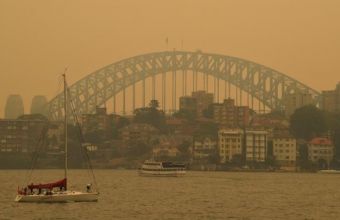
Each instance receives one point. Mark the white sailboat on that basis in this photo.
(57, 191)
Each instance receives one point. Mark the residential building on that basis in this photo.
(256, 145)
(321, 150)
(188, 103)
(179, 126)
(196, 103)
(100, 121)
(204, 148)
(229, 144)
(295, 101)
(55, 136)
(269, 121)
(330, 100)
(228, 115)
(138, 132)
(21, 135)
(165, 151)
(203, 100)
(284, 149)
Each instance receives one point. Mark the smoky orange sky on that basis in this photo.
(39, 38)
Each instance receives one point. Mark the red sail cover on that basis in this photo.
(61, 184)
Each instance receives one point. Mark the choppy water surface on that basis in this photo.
(199, 195)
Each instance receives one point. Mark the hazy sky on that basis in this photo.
(39, 38)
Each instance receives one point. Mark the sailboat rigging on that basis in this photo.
(58, 191)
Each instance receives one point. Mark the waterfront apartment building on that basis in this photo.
(330, 100)
(321, 150)
(228, 115)
(204, 148)
(21, 135)
(249, 144)
(284, 149)
(229, 144)
(256, 145)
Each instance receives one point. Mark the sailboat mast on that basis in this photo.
(65, 123)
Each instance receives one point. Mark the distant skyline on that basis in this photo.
(40, 38)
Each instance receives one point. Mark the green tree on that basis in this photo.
(184, 151)
(333, 122)
(151, 115)
(121, 122)
(307, 122)
(185, 114)
(96, 137)
(137, 149)
(154, 104)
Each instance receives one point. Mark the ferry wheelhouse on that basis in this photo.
(155, 168)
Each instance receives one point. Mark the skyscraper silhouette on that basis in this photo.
(14, 107)
(38, 105)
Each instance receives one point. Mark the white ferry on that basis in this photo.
(166, 169)
(329, 171)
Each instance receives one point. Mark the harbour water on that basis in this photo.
(198, 195)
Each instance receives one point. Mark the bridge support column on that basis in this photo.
(174, 95)
(114, 95)
(134, 94)
(143, 92)
(153, 87)
(124, 95)
(164, 91)
(153, 79)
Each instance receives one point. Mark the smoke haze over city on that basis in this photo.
(39, 39)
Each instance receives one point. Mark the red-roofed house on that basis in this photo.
(320, 149)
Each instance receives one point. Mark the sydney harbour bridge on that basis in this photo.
(167, 75)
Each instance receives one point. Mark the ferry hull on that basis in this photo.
(71, 196)
(329, 171)
(178, 173)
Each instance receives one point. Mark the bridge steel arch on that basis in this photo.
(265, 84)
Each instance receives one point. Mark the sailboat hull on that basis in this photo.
(68, 196)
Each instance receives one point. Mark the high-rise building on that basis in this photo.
(188, 103)
(39, 105)
(228, 115)
(14, 107)
(330, 100)
(203, 100)
(196, 103)
(295, 101)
